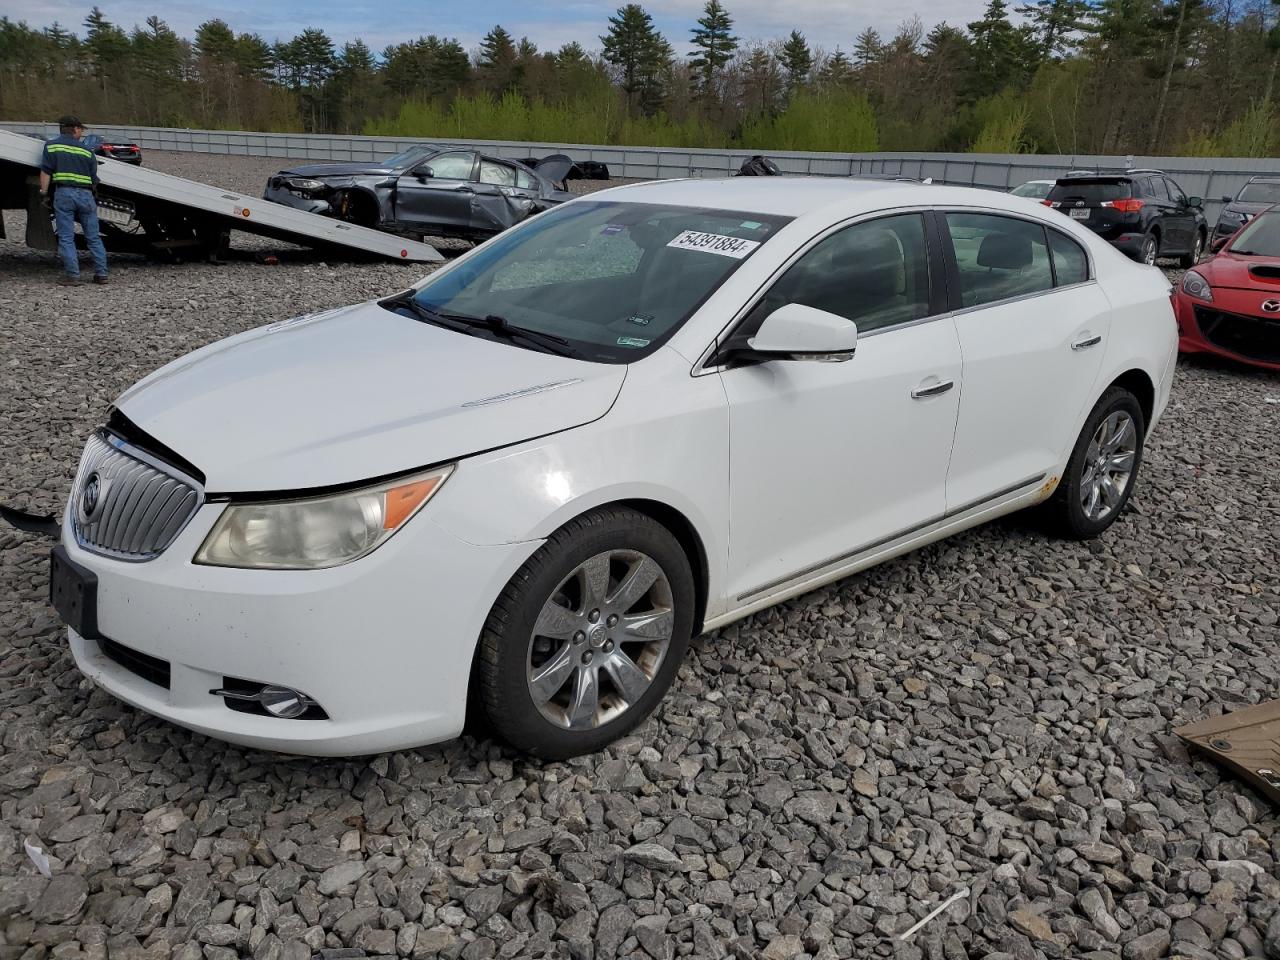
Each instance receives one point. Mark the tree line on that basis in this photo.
(1194, 77)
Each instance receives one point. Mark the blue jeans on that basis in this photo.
(69, 205)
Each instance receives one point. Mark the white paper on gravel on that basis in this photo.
(716, 243)
(37, 857)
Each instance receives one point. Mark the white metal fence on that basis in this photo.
(1209, 178)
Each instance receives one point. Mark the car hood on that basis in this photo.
(320, 170)
(357, 393)
(1245, 206)
(1241, 273)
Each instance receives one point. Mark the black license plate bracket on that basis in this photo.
(73, 592)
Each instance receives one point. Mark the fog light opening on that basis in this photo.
(283, 702)
(268, 699)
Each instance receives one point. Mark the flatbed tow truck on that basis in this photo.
(170, 218)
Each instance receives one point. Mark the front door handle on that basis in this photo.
(1084, 343)
(932, 390)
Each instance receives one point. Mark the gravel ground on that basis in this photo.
(991, 713)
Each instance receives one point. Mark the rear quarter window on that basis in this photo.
(1091, 191)
(1070, 263)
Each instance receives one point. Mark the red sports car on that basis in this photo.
(1230, 303)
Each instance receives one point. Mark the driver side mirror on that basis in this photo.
(1197, 202)
(423, 173)
(797, 332)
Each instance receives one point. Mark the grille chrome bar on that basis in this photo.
(137, 505)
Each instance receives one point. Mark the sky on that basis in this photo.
(549, 24)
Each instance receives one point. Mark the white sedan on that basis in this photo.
(523, 485)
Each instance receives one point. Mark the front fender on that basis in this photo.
(665, 440)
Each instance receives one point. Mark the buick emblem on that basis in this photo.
(91, 497)
(1271, 306)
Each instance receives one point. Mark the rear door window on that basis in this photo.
(998, 258)
(496, 173)
(1092, 191)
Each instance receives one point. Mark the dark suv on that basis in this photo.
(1142, 213)
(1254, 197)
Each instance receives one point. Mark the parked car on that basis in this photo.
(427, 190)
(525, 483)
(115, 149)
(1142, 213)
(1251, 199)
(1230, 304)
(1033, 189)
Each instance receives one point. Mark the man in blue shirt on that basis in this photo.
(69, 170)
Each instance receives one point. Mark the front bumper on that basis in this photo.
(383, 644)
(297, 201)
(1232, 326)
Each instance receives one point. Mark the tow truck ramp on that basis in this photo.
(153, 213)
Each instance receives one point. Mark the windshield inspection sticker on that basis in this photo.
(716, 243)
(632, 342)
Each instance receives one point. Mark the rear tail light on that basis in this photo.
(1124, 206)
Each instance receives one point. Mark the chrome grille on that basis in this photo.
(127, 504)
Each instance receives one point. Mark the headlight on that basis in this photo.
(305, 185)
(1194, 285)
(319, 531)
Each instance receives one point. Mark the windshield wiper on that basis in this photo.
(499, 326)
(504, 328)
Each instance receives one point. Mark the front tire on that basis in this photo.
(1103, 468)
(587, 636)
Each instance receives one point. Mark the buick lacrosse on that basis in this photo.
(522, 485)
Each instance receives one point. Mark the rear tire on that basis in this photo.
(1150, 250)
(586, 637)
(1197, 250)
(1102, 470)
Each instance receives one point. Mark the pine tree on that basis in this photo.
(497, 64)
(639, 53)
(1056, 24)
(837, 71)
(796, 60)
(868, 49)
(714, 44)
(1002, 53)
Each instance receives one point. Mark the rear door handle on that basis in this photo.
(1084, 343)
(932, 390)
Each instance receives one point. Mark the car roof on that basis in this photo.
(795, 196)
(1265, 178)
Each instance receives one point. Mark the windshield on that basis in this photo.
(1264, 192)
(1035, 189)
(1090, 191)
(406, 157)
(615, 280)
(1259, 238)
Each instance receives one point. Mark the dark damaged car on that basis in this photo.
(427, 190)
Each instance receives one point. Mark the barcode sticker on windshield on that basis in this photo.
(716, 243)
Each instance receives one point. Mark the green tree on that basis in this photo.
(836, 71)
(1002, 54)
(640, 55)
(714, 45)
(868, 49)
(1055, 24)
(797, 61)
(498, 65)
(107, 47)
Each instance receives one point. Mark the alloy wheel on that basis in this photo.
(1108, 465)
(600, 639)
(1198, 250)
(1149, 251)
